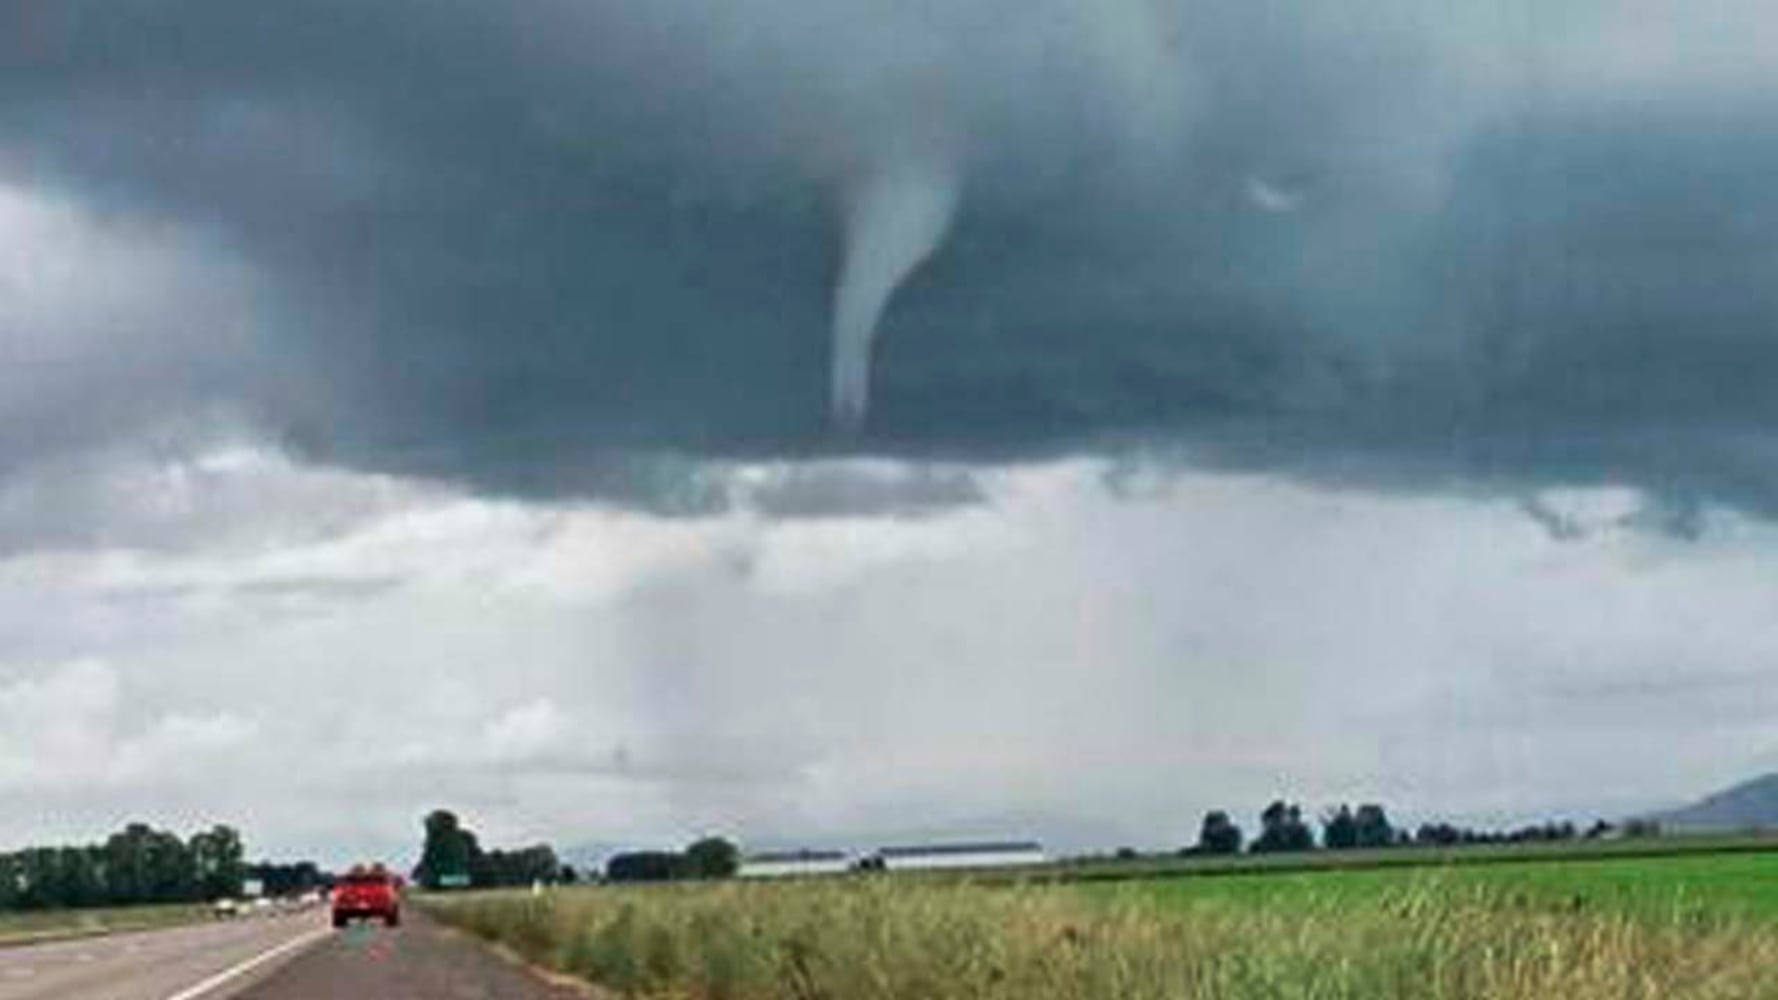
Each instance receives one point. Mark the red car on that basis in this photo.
(368, 893)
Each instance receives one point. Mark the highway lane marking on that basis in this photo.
(237, 971)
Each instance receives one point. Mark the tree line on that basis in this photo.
(1282, 828)
(452, 857)
(135, 865)
(289, 879)
(707, 858)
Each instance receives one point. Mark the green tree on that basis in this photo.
(1282, 829)
(481, 866)
(172, 876)
(538, 863)
(1219, 834)
(287, 879)
(10, 873)
(137, 864)
(645, 866)
(77, 878)
(218, 862)
(145, 865)
(40, 883)
(126, 864)
(1339, 830)
(448, 850)
(712, 857)
(1372, 827)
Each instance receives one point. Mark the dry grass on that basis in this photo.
(879, 939)
(52, 925)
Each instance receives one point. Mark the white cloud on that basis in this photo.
(183, 747)
(65, 730)
(524, 733)
(58, 727)
(1082, 665)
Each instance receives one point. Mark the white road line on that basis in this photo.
(249, 965)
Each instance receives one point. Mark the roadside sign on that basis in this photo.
(453, 881)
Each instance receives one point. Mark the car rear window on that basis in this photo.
(367, 880)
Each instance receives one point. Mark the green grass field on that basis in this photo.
(1738, 885)
(1697, 924)
(48, 925)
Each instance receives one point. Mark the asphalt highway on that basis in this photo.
(198, 962)
(418, 961)
(294, 957)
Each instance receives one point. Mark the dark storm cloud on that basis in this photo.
(541, 248)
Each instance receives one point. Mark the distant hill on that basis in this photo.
(1747, 805)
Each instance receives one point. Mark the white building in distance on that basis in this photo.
(987, 855)
(789, 864)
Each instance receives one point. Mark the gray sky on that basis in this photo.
(433, 403)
